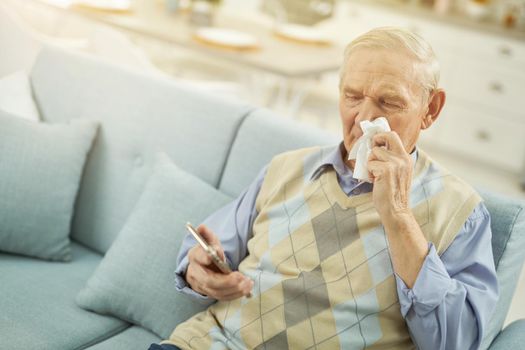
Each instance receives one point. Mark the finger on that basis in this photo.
(221, 296)
(376, 168)
(209, 283)
(208, 276)
(212, 239)
(242, 289)
(390, 140)
(235, 295)
(199, 278)
(218, 280)
(380, 153)
(208, 235)
(199, 256)
(219, 251)
(231, 296)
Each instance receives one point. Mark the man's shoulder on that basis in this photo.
(445, 200)
(436, 175)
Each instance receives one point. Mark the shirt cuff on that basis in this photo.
(182, 286)
(430, 288)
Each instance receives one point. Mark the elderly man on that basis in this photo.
(323, 260)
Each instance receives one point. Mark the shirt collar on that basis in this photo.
(334, 159)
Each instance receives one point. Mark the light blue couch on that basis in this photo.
(225, 144)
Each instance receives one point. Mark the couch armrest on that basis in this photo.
(511, 337)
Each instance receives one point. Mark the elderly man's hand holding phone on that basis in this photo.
(208, 272)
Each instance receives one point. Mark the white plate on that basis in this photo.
(106, 5)
(226, 37)
(302, 33)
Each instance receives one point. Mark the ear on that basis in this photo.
(435, 105)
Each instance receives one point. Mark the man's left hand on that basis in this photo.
(390, 168)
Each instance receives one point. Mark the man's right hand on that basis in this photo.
(205, 278)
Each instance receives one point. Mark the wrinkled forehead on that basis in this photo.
(383, 68)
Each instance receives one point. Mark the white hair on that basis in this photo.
(394, 38)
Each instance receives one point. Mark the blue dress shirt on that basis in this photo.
(453, 296)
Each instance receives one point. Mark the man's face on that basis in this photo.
(380, 82)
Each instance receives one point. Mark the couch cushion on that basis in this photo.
(132, 338)
(16, 96)
(508, 246)
(40, 170)
(261, 136)
(139, 115)
(135, 279)
(512, 337)
(37, 304)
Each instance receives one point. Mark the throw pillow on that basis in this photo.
(16, 96)
(135, 280)
(40, 170)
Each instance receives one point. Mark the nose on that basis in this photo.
(368, 110)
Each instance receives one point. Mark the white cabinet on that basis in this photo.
(485, 136)
(489, 83)
(497, 49)
(484, 116)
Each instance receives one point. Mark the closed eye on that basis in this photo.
(394, 104)
(353, 97)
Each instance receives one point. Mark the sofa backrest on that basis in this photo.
(139, 115)
(261, 136)
(508, 246)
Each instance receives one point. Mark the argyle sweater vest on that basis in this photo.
(320, 262)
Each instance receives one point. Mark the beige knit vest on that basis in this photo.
(321, 265)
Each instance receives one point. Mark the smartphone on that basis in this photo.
(212, 252)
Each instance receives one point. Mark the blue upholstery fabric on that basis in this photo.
(139, 116)
(135, 281)
(508, 245)
(37, 303)
(132, 338)
(507, 218)
(40, 170)
(511, 338)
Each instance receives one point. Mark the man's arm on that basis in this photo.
(454, 295)
(233, 226)
(445, 306)
(390, 167)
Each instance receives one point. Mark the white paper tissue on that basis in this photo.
(363, 146)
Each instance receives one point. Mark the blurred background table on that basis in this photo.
(290, 65)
